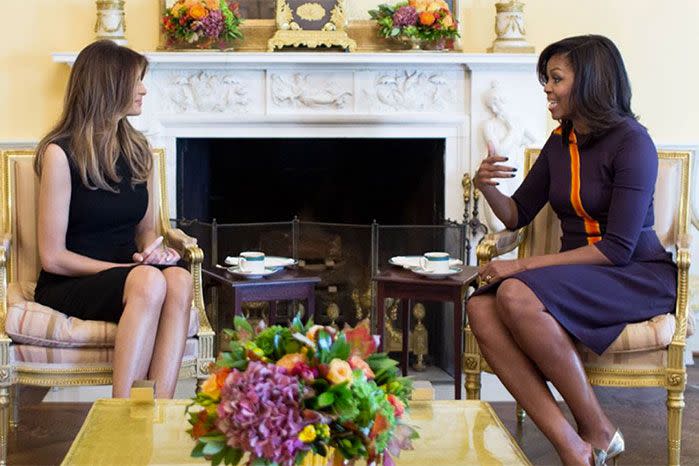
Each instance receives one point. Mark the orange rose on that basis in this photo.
(288, 361)
(213, 4)
(198, 12)
(427, 18)
(200, 428)
(356, 362)
(212, 385)
(177, 9)
(340, 371)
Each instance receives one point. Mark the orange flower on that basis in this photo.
(356, 362)
(380, 425)
(361, 342)
(213, 4)
(200, 428)
(198, 12)
(340, 371)
(288, 361)
(212, 385)
(177, 9)
(427, 18)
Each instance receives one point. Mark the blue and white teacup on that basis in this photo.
(435, 262)
(251, 262)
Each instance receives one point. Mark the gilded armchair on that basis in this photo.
(42, 347)
(646, 354)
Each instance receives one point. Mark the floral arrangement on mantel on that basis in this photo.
(416, 22)
(301, 394)
(202, 23)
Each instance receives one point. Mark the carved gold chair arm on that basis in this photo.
(683, 259)
(5, 244)
(187, 247)
(499, 243)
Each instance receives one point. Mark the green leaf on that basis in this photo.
(340, 349)
(233, 455)
(218, 457)
(242, 326)
(324, 343)
(326, 399)
(395, 32)
(211, 448)
(217, 437)
(198, 450)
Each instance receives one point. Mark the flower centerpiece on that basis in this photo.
(202, 23)
(417, 22)
(284, 396)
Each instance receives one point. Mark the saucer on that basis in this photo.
(435, 275)
(270, 261)
(248, 274)
(411, 262)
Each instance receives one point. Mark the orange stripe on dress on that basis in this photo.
(592, 228)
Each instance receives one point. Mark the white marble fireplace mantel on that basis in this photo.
(344, 95)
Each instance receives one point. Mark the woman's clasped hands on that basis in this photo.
(157, 254)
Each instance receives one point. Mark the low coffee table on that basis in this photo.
(122, 431)
(405, 285)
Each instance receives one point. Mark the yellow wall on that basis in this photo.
(658, 40)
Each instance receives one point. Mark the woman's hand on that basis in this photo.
(156, 253)
(495, 271)
(490, 170)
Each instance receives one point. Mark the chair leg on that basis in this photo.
(521, 414)
(4, 423)
(675, 405)
(14, 411)
(473, 385)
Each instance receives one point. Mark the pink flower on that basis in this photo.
(261, 413)
(358, 363)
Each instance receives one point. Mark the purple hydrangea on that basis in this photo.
(261, 413)
(213, 24)
(405, 16)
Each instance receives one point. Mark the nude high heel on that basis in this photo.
(614, 450)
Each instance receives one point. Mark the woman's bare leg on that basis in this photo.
(144, 292)
(523, 380)
(172, 331)
(543, 339)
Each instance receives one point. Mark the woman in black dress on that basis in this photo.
(598, 171)
(99, 251)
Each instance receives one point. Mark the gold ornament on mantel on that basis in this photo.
(311, 23)
(110, 22)
(509, 28)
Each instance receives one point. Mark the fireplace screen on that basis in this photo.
(345, 257)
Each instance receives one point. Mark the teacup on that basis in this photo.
(435, 262)
(251, 262)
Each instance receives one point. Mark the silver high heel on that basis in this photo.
(615, 448)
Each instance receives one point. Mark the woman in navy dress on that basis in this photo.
(96, 228)
(598, 171)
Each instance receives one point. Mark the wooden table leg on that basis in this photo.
(458, 343)
(237, 303)
(310, 303)
(380, 303)
(272, 313)
(405, 351)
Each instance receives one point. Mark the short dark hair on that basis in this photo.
(601, 94)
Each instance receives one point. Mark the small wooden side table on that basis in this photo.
(408, 286)
(285, 285)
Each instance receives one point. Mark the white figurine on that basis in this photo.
(509, 138)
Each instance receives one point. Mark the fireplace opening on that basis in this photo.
(336, 188)
(392, 181)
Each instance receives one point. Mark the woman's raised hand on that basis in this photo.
(490, 169)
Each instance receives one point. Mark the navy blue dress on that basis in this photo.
(601, 188)
(101, 225)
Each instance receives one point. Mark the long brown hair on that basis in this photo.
(93, 123)
(601, 94)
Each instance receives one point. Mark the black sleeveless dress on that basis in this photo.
(101, 225)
